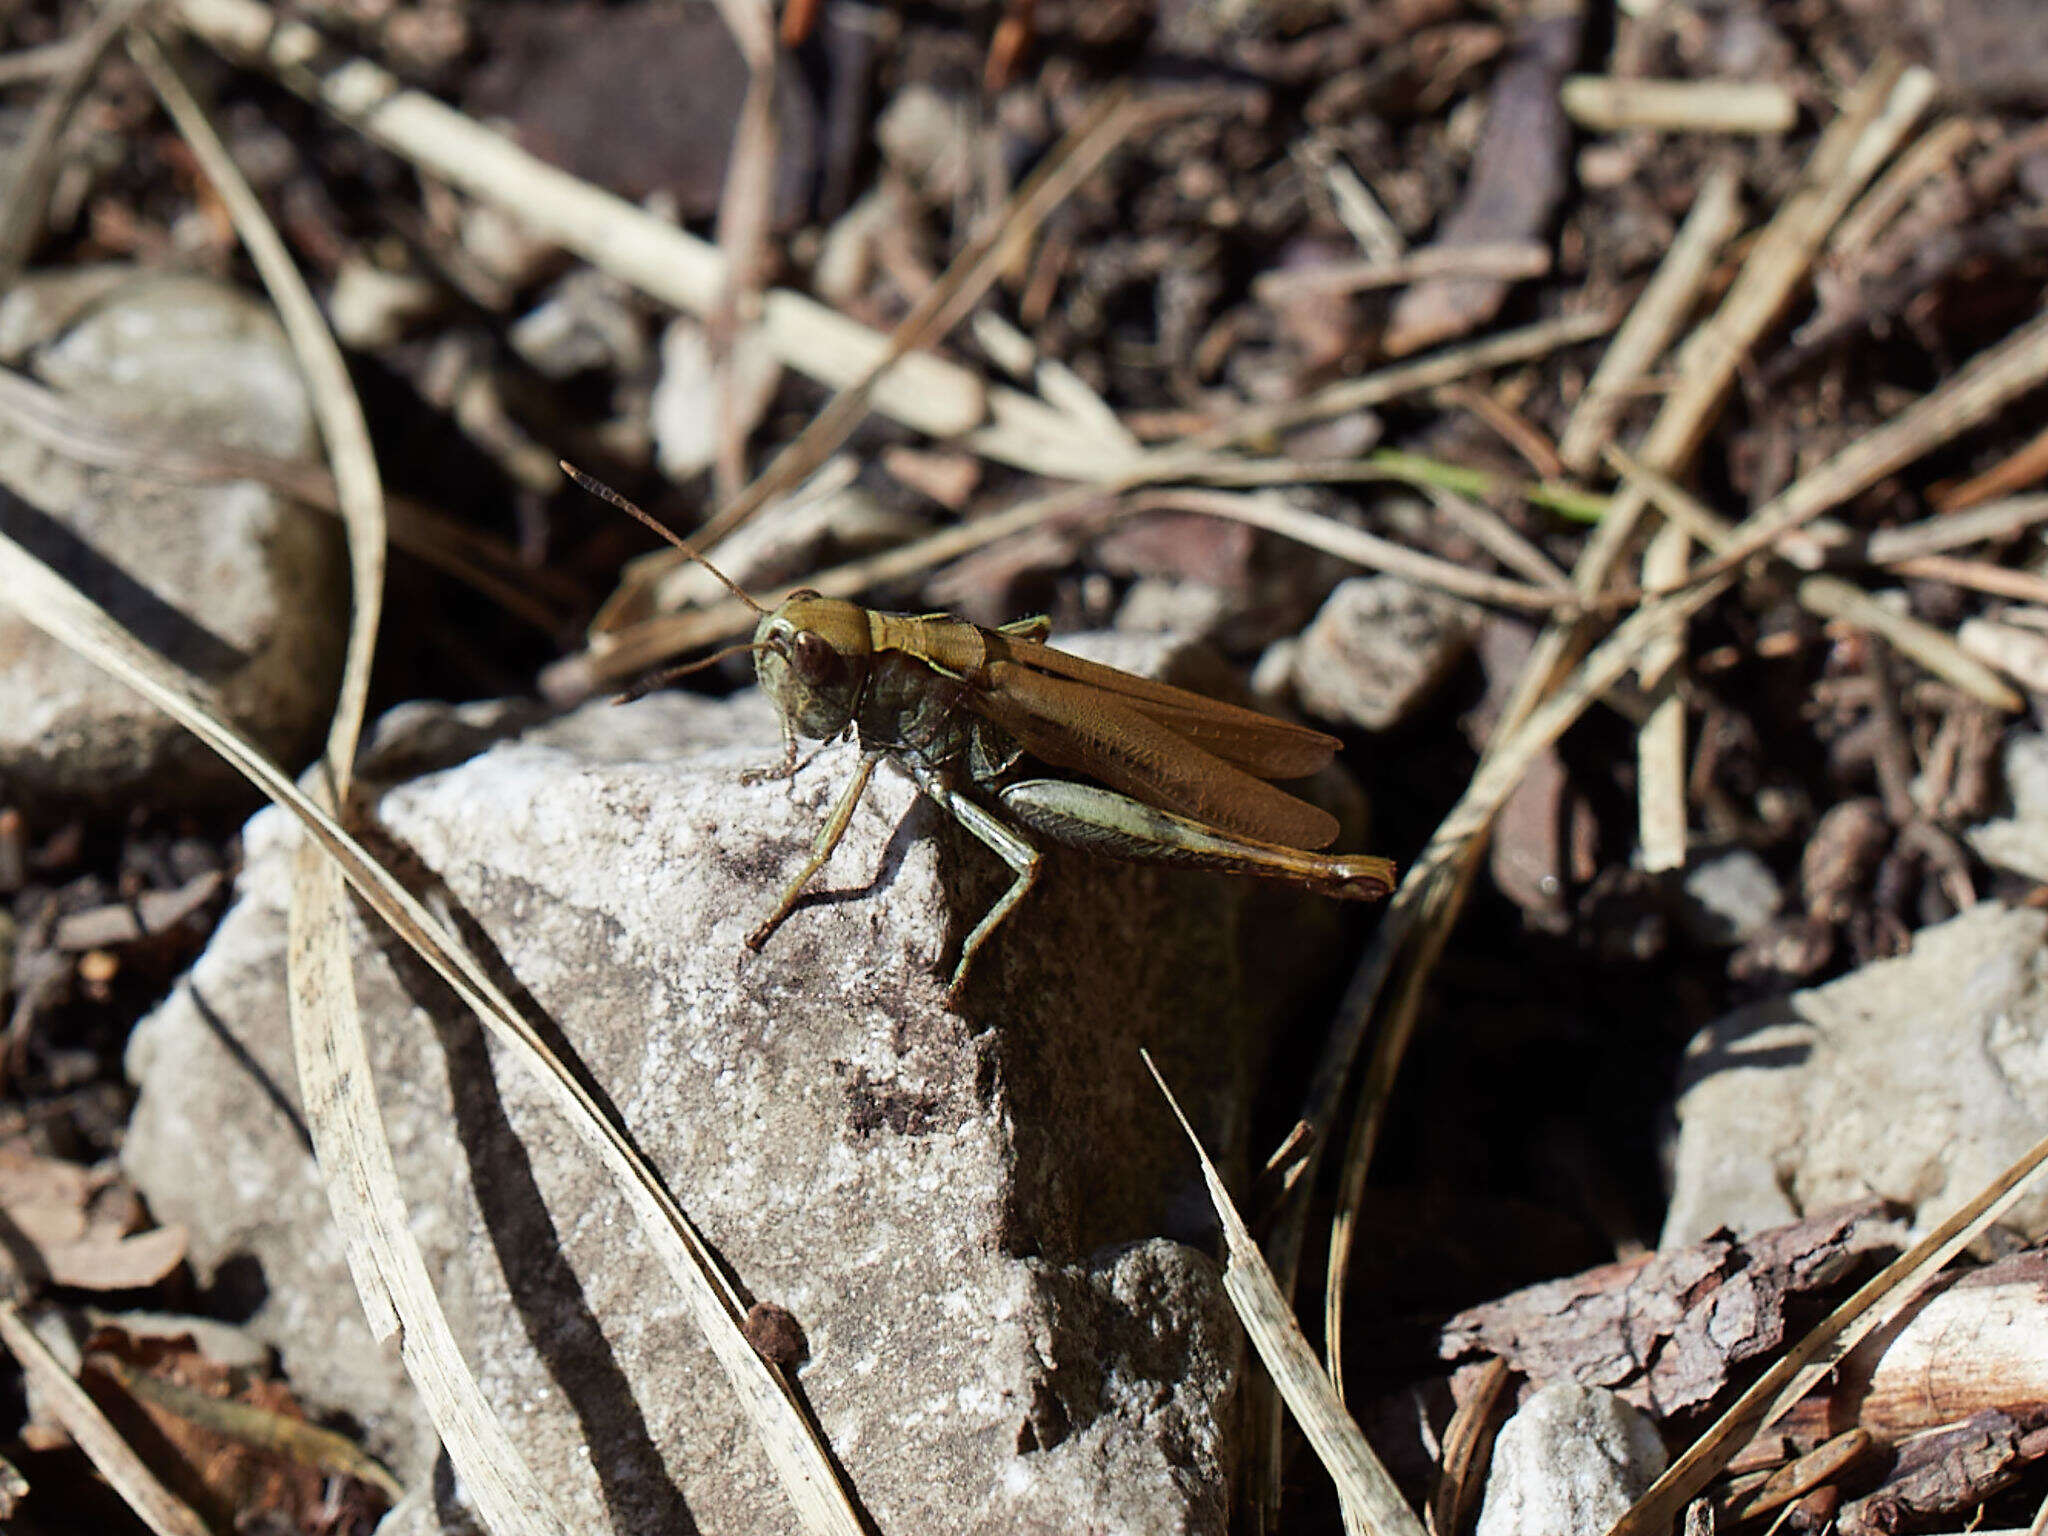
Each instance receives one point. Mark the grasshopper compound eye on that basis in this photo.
(814, 660)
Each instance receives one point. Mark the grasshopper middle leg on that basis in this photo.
(1004, 840)
(828, 839)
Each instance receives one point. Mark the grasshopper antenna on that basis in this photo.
(603, 492)
(667, 675)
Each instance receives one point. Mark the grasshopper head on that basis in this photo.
(812, 661)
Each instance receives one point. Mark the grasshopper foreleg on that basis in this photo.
(821, 850)
(785, 769)
(1004, 840)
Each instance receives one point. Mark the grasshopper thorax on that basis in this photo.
(812, 656)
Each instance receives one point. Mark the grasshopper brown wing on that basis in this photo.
(1258, 744)
(1107, 736)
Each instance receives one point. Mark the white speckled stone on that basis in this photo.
(970, 1214)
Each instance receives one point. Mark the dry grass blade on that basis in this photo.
(1371, 1501)
(336, 1087)
(358, 487)
(1430, 894)
(1954, 530)
(745, 211)
(129, 447)
(1510, 260)
(1978, 576)
(1833, 598)
(52, 605)
(1278, 515)
(1660, 743)
(1107, 124)
(664, 262)
(1876, 1303)
(336, 1083)
(161, 1510)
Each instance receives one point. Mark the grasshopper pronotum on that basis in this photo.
(960, 707)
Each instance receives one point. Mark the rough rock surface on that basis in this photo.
(1917, 1079)
(1377, 648)
(228, 579)
(969, 1215)
(1569, 1463)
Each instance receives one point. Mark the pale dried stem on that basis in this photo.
(1499, 538)
(1660, 309)
(1511, 260)
(1660, 743)
(1945, 531)
(1617, 104)
(1926, 157)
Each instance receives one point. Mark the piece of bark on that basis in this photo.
(1943, 1474)
(1664, 1331)
(1518, 176)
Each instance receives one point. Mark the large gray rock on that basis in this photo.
(1917, 1079)
(228, 579)
(968, 1214)
(1569, 1463)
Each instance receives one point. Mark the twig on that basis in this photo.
(1498, 537)
(1360, 212)
(2025, 466)
(745, 208)
(1275, 513)
(1614, 104)
(27, 65)
(1834, 598)
(1977, 575)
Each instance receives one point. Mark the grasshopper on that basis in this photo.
(1183, 777)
